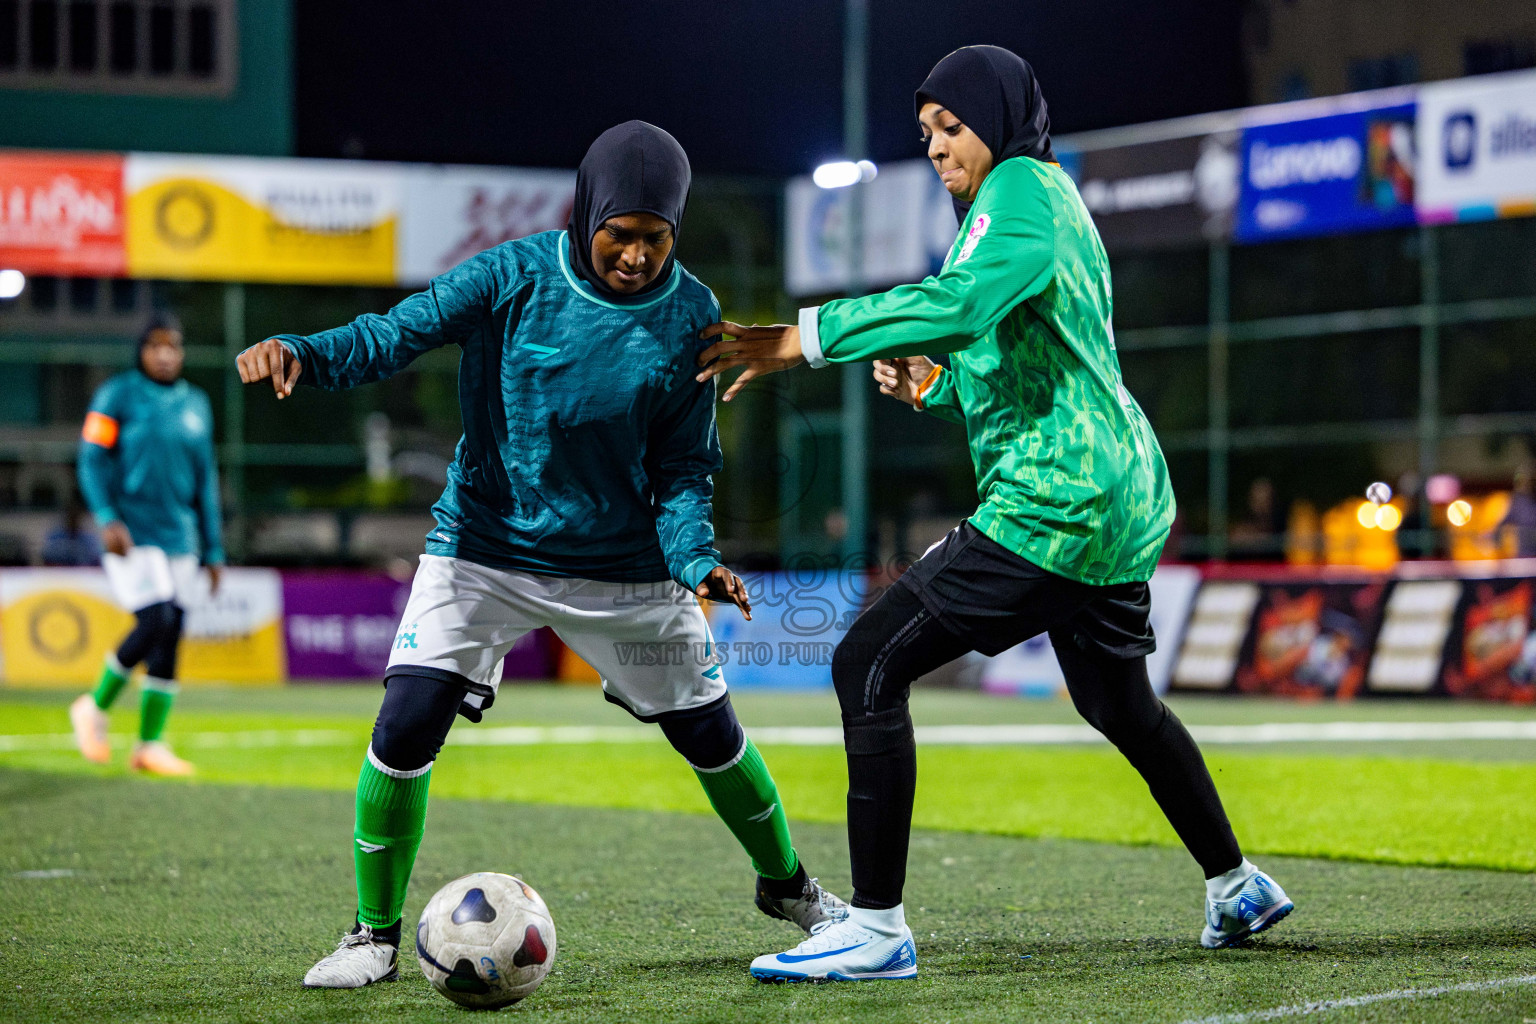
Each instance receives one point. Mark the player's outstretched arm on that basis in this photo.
(453, 310)
(682, 455)
(759, 350)
(270, 359)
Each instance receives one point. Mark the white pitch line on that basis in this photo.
(832, 736)
(1328, 1005)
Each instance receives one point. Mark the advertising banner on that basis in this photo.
(342, 625)
(1350, 171)
(452, 213)
(1311, 639)
(1030, 669)
(1491, 652)
(797, 619)
(247, 219)
(56, 626)
(908, 227)
(1477, 137)
(1170, 192)
(62, 214)
(236, 635)
(1410, 649)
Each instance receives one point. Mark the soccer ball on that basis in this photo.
(485, 940)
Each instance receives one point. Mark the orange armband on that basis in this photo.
(100, 429)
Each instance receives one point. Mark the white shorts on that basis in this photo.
(649, 642)
(147, 575)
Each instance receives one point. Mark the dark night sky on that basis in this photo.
(747, 87)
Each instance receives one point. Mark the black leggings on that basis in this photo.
(153, 640)
(899, 639)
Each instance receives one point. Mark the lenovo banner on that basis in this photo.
(1351, 171)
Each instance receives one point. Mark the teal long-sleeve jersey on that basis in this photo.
(588, 446)
(146, 460)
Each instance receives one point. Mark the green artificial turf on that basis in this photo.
(170, 903)
(1445, 805)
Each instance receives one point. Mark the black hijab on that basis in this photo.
(161, 321)
(995, 93)
(632, 168)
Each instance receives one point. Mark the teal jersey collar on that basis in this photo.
(586, 290)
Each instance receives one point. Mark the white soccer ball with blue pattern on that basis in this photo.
(486, 940)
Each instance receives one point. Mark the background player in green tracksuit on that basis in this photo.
(1075, 504)
(147, 471)
(579, 499)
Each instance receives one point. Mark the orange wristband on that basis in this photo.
(928, 382)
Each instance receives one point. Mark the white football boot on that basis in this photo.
(1240, 903)
(867, 945)
(813, 906)
(90, 725)
(361, 958)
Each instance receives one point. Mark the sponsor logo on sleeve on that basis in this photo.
(976, 234)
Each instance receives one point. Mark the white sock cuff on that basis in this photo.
(114, 664)
(728, 765)
(881, 922)
(396, 773)
(159, 685)
(1226, 886)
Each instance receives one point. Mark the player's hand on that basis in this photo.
(215, 577)
(723, 585)
(760, 349)
(270, 358)
(115, 538)
(900, 378)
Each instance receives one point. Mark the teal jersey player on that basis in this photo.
(588, 448)
(579, 500)
(148, 474)
(146, 461)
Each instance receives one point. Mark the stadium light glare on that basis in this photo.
(1388, 518)
(1442, 489)
(1459, 512)
(1365, 515)
(842, 173)
(11, 283)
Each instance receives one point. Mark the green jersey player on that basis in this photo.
(1075, 504)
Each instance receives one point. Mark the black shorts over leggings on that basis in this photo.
(975, 594)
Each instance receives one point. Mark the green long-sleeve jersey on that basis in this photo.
(1068, 471)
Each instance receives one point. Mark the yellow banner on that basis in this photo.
(56, 626)
(242, 219)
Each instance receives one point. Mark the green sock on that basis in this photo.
(155, 700)
(744, 796)
(391, 817)
(113, 678)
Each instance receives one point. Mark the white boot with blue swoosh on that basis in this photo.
(868, 945)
